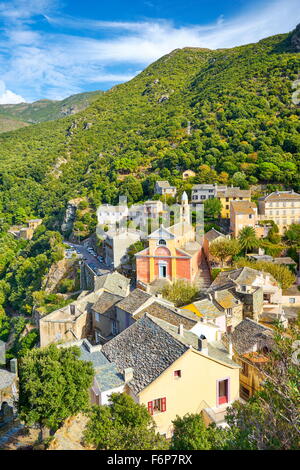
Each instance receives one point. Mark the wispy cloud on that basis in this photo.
(52, 64)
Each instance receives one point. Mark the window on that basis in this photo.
(97, 317)
(223, 392)
(177, 374)
(162, 242)
(227, 207)
(292, 300)
(157, 406)
(229, 312)
(202, 197)
(245, 369)
(250, 216)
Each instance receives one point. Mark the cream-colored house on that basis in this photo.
(242, 214)
(283, 207)
(188, 174)
(174, 371)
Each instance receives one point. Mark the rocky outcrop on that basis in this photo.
(295, 39)
(70, 435)
(70, 215)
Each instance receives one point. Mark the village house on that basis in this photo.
(173, 253)
(111, 215)
(210, 237)
(116, 244)
(247, 282)
(251, 343)
(8, 387)
(283, 207)
(174, 372)
(94, 279)
(164, 189)
(19, 231)
(226, 196)
(243, 214)
(75, 321)
(107, 379)
(202, 192)
(188, 174)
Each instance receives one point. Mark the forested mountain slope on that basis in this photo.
(13, 116)
(244, 128)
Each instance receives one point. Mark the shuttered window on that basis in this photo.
(158, 405)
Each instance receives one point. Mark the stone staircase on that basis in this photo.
(203, 278)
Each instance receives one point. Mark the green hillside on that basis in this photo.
(244, 129)
(13, 116)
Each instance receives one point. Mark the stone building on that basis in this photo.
(283, 207)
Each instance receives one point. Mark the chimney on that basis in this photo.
(128, 374)
(2, 353)
(180, 329)
(13, 364)
(230, 347)
(72, 309)
(203, 344)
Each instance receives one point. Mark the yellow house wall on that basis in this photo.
(195, 390)
(225, 213)
(252, 380)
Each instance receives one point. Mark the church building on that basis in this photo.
(173, 253)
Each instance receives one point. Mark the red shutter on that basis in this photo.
(150, 407)
(163, 404)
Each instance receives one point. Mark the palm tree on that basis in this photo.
(247, 239)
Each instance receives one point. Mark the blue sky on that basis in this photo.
(54, 48)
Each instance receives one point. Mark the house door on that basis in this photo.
(162, 271)
(223, 390)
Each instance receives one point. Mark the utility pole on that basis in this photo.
(189, 128)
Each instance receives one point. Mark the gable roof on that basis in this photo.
(105, 302)
(213, 234)
(205, 308)
(113, 282)
(248, 334)
(161, 232)
(243, 207)
(147, 348)
(107, 375)
(245, 276)
(233, 192)
(134, 300)
(172, 316)
(280, 196)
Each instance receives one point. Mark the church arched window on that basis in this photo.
(162, 242)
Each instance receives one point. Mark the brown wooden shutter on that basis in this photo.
(163, 404)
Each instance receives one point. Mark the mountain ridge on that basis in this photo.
(244, 130)
(44, 109)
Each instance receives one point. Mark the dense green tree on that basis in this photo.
(53, 385)
(224, 249)
(212, 208)
(123, 425)
(180, 292)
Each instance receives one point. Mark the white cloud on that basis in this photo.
(9, 97)
(54, 65)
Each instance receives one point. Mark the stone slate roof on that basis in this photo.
(234, 192)
(134, 300)
(207, 308)
(248, 334)
(6, 379)
(105, 302)
(163, 184)
(226, 298)
(245, 276)
(113, 282)
(187, 319)
(280, 196)
(147, 348)
(106, 373)
(213, 234)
